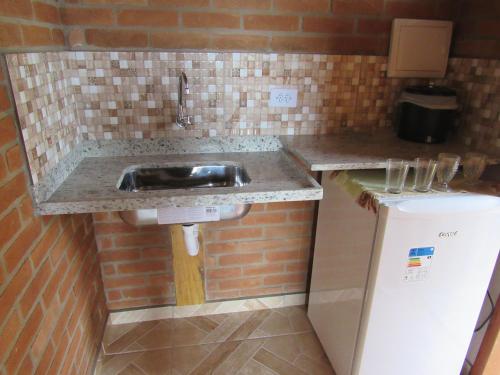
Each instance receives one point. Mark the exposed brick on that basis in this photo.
(7, 129)
(328, 25)
(10, 35)
(181, 3)
(3, 168)
(219, 20)
(410, 9)
(128, 304)
(108, 2)
(155, 252)
(263, 270)
(264, 218)
(297, 267)
(221, 248)
(22, 244)
(288, 231)
(142, 267)
(147, 291)
(4, 99)
(243, 4)
(160, 279)
(141, 239)
(240, 42)
(280, 256)
(22, 344)
(120, 282)
(289, 205)
(46, 360)
(36, 286)
(150, 18)
(240, 283)
(485, 28)
(374, 26)
(234, 234)
(42, 248)
(113, 295)
(54, 282)
(14, 158)
(302, 6)
(357, 7)
(301, 216)
(10, 225)
(26, 208)
(86, 16)
(226, 260)
(119, 255)
(9, 333)
(57, 37)
(76, 38)
(14, 289)
(284, 279)
(16, 8)
(111, 228)
(179, 40)
(272, 23)
(12, 190)
(46, 13)
(36, 35)
(224, 273)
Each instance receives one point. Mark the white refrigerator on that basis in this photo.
(397, 284)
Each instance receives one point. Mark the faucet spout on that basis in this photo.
(182, 119)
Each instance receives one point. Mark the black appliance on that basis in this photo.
(426, 114)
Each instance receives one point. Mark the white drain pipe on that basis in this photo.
(191, 238)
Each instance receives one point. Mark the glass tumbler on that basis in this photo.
(425, 170)
(395, 175)
(474, 165)
(447, 167)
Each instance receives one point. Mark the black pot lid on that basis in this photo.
(430, 90)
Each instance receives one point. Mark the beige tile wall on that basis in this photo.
(65, 97)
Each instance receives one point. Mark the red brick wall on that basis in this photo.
(477, 29)
(265, 253)
(331, 26)
(30, 24)
(52, 308)
(52, 305)
(136, 263)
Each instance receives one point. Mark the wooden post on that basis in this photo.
(488, 359)
(188, 270)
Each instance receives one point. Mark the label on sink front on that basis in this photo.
(176, 215)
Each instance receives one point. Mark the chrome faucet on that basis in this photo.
(182, 119)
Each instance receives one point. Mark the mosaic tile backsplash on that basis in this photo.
(64, 98)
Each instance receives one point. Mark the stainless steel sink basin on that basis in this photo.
(183, 176)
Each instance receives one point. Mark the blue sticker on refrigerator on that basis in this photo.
(418, 263)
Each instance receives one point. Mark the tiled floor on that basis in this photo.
(264, 342)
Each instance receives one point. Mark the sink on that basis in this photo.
(183, 176)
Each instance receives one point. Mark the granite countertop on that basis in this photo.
(86, 180)
(359, 151)
(92, 185)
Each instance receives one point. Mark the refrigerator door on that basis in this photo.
(431, 265)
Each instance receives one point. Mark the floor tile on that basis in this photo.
(264, 342)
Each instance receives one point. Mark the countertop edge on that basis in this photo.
(303, 194)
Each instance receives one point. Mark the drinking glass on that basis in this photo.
(395, 175)
(425, 169)
(474, 165)
(446, 169)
